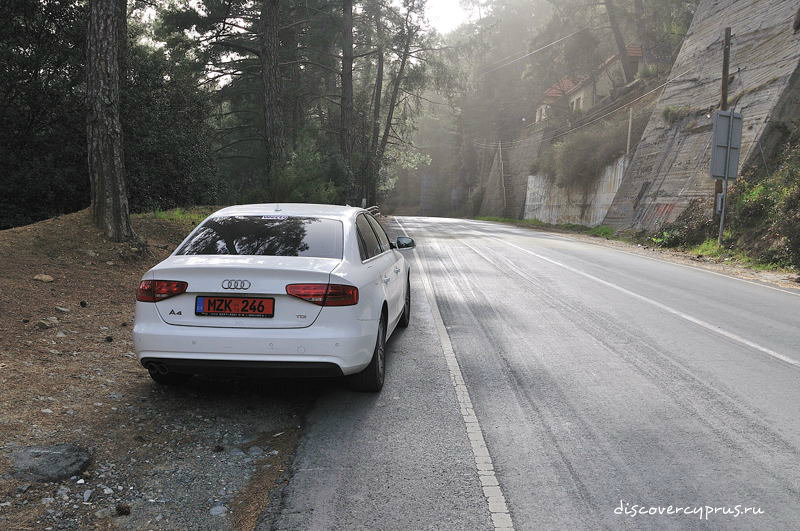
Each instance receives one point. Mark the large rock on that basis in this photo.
(49, 463)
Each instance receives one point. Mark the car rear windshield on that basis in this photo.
(267, 236)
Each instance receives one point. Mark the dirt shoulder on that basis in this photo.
(200, 456)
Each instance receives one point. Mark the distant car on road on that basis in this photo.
(278, 289)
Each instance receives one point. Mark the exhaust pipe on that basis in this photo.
(157, 367)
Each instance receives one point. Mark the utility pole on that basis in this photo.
(723, 105)
(630, 130)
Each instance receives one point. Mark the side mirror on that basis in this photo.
(405, 243)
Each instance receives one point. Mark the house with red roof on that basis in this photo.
(579, 96)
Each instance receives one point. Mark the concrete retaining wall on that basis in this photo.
(548, 202)
(670, 165)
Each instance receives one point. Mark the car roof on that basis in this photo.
(290, 209)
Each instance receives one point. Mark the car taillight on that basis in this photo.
(325, 294)
(158, 290)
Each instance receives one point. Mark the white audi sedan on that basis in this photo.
(278, 289)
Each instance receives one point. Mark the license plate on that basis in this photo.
(234, 306)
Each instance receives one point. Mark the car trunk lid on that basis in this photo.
(242, 276)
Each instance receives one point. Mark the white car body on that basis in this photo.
(328, 340)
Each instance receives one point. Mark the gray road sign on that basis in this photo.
(727, 142)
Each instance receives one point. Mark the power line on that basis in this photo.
(546, 46)
(491, 145)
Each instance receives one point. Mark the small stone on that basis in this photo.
(108, 490)
(5, 504)
(84, 304)
(43, 324)
(255, 451)
(43, 278)
(60, 334)
(47, 410)
(123, 509)
(237, 452)
(105, 512)
(87, 494)
(109, 339)
(62, 309)
(218, 510)
(62, 490)
(26, 321)
(81, 481)
(219, 448)
(48, 501)
(22, 489)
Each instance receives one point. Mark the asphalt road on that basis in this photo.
(599, 381)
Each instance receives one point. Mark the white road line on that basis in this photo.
(668, 309)
(560, 236)
(501, 518)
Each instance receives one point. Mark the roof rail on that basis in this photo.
(374, 209)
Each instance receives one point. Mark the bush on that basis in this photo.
(694, 226)
(765, 209)
(580, 157)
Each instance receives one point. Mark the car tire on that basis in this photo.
(171, 378)
(405, 318)
(371, 378)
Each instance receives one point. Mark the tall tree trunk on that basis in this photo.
(269, 49)
(374, 166)
(371, 163)
(622, 51)
(294, 95)
(346, 134)
(103, 128)
(396, 83)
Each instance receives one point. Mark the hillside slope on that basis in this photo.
(68, 374)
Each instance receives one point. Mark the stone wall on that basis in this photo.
(670, 165)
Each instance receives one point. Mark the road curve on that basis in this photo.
(601, 380)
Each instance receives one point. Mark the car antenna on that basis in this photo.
(277, 207)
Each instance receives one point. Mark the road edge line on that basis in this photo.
(495, 499)
(569, 238)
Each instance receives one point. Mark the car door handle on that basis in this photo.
(397, 270)
(386, 280)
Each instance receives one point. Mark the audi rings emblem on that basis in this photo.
(236, 284)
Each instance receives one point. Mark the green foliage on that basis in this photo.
(43, 136)
(309, 177)
(168, 139)
(765, 209)
(694, 226)
(580, 157)
(672, 114)
(602, 231)
(193, 215)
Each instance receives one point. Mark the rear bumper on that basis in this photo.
(252, 369)
(345, 344)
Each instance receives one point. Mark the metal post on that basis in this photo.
(724, 205)
(630, 128)
(723, 105)
(726, 62)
